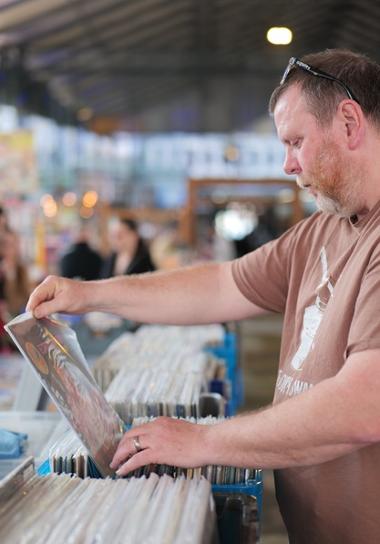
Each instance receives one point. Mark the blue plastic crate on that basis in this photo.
(253, 488)
(228, 351)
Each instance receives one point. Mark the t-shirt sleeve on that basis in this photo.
(365, 325)
(263, 275)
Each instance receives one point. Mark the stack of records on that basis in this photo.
(67, 455)
(171, 347)
(198, 336)
(60, 509)
(109, 363)
(153, 392)
(159, 372)
(215, 474)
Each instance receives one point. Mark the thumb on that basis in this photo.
(45, 308)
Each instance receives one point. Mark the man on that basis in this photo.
(322, 433)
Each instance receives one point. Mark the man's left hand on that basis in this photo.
(163, 441)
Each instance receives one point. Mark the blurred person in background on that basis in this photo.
(81, 261)
(130, 255)
(5, 344)
(15, 287)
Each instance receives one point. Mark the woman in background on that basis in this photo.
(130, 254)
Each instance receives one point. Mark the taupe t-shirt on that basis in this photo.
(324, 275)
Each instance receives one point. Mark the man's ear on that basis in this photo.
(352, 118)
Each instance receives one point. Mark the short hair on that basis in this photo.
(360, 73)
(130, 223)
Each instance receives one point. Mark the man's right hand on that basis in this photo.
(57, 294)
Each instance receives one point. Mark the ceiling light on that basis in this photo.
(279, 35)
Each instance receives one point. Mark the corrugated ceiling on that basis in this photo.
(126, 59)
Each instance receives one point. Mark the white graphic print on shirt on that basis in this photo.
(313, 316)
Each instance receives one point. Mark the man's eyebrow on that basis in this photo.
(289, 139)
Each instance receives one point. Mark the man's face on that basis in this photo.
(316, 156)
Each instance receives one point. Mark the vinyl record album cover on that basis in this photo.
(51, 347)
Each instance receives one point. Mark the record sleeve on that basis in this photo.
(52, 349)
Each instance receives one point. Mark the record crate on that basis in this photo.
(229, 352)
(238, 508)
(237, 518)
(194, 519)
(238, 505)
(252, 487)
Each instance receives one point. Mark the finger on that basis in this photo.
(42, 293)
(46, 308)
(144, 457)
(34, 300)
(125, 449)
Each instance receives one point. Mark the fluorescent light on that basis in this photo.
(279, 35)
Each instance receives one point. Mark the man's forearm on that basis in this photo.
(338, 416)
(193, 295)
(312, 428)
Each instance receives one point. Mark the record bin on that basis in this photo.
(239, 510)
(194, 517)
(229, 352)
(242, 501)
(238, 506)
(252, 487)
(237, 518)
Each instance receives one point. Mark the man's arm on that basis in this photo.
(192, 295)
(336, 417)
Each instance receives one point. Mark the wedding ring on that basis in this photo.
(136, 443)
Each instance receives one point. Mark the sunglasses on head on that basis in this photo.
(297, 63)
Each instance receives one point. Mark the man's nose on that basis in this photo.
(291, 165)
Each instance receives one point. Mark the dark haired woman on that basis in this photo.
(130, 254)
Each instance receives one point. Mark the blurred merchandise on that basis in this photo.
(11, 444)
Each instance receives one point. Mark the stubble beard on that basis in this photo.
(336, 183)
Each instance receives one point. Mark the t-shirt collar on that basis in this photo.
(360, 223)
